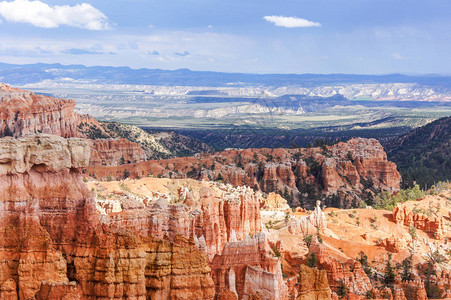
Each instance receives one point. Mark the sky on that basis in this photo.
(250, 36)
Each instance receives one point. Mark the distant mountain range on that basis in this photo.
(33, 73)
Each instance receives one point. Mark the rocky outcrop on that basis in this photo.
(277, 176)
(403, 215)
(23, 112)
(113, 152)
(275, 202)
(348, 271)
(211, 214)
(246, 269)
(414, 290)
(343, 174)
(313, 284)
(370, 160)
(52, 243)
(392, 244)
(312, 224)
(223, 221)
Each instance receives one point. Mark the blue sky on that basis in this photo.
(259, 36)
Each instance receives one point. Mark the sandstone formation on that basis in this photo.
(312, 224)
(113, 152)
(275, 202)
(393, 244)
(343, 174)
(347, 270)
(433, 225)
(52, 243)
(209, 213)
(246, 269)
(313, 284)
(223, 221)
(23, 112)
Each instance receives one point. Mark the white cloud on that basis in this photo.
(290, 22)
(400, 57)
(42, 15)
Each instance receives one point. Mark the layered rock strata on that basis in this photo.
(342, 174)
(113, 152)
(223, 221)
(23, 112)
(211, 214)
(52, 243)
(246, 269)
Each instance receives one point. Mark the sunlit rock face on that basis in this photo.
(53, 243)
(24, 113)
(247, 269)
(342, 175)
(224, 222)
(434, 225)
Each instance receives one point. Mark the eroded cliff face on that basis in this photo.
(348, 271)
(212, 214)
(246, 269)
(343, 174)
(434, 225)
(53, 243)
(23, 113)
(113, 152)
(223, 221)
(313, 284)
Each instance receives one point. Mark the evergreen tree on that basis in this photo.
(389, 272)
(312, 261)
(342, 289)
(407, 268)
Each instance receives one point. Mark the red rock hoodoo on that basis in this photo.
(53, 243)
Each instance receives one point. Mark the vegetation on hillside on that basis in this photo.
(423, 156)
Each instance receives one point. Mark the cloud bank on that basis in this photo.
(40, 14)
(290, 22)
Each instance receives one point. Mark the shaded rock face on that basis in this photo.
(113, 152)
(53, 246)
(313, 284)
(343, 174)
(435, 226)
(414, 290)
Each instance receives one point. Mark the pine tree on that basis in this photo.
(389, 272)
(407, 268)
(342, 289)
(312, 261)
